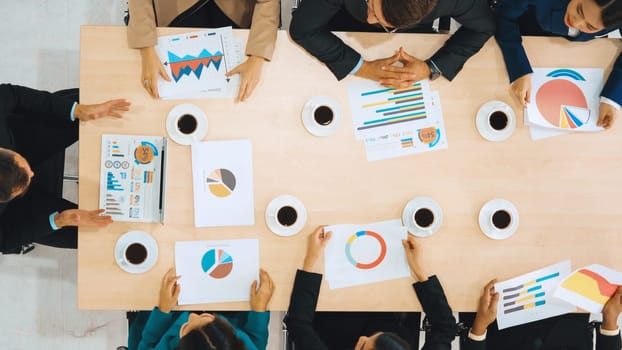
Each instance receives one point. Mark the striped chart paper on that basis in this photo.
(529, 297)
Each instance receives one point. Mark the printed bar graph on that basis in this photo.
(525, 307)
(394, 106)
(531, 293)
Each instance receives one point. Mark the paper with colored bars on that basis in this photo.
(589, 287)
(222, 173)
(132, 180)
(529, 297)
(216, 271)
(197, 63)
(366, 253)
(563, 100)
(396, 122)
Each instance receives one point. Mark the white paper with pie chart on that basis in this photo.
(366, 253)
(222, 174)
(216, 271)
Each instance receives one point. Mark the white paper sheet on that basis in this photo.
(564, 99)
(529, 297)
(365, 253)
(590, 287)
(417, 137)
(130, 176)
(197, 63)
(222, 173)
(216, 271)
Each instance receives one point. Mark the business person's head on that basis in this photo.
(206, 331)
(382, 341)
(15, 175)
(591, 16)
(398, 13)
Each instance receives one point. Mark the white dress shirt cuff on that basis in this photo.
(477, 337)
(610, 102)
(609, 333)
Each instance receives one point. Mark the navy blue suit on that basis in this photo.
(550, 17)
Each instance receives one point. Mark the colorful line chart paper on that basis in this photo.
(589, 287)
(396, 122)
(222, 173)
(132, 184)
(216, 271)
(363, 254)
(565, 100)
(529, 297)
(197, 63)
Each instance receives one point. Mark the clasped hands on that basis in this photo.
(388, 74)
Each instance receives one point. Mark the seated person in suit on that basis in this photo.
(569, 331)
(164, 329)
(575, 20)
(301, 313)
(261, 16)
(36, 125)
(311, 29)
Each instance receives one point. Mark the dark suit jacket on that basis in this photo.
(23, 220)
(309, 29)
(550, 16)
(299, 319)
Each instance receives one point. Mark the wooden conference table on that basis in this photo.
(567, 189)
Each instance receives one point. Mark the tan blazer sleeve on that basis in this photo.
(262, 36)
(141, 30)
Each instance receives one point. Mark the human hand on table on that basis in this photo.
(606, 115)
(521, 88)
(486, 309)
(382, 70)
(151, 67)
(413, 254)
(417, 69)
(107, 109)
(169, 291)
(612, 310)
(250, 72)
(316, 242)
(82, 218)
(261, 297)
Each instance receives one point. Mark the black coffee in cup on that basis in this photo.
(498, 120)
(323, 115)
(287, 216)
(501, 219)
(424, 217)
(136, 253)
(187, 124)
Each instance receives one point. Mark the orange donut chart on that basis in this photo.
(371, 265)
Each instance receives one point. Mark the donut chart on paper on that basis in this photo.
(562, 103)
(221, 182)
(377, 261)
(217, 263)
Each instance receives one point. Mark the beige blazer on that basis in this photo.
(261, 16)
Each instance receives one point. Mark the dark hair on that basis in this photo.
(216, 335)
(611, 12)
(12, 176)
(400, 13)
(390, 341)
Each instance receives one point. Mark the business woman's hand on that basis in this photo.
(521, 88)
(606, 115)
(151, 67)
(169, 291)
(413, 255)
(261, 297)
(486, 309)
(316, 242)
(612, 310)
(250, 72)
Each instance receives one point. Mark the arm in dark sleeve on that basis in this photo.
(436, 308)
(27, 218)
(478, 26)
(23, 101)
(309, 29)
(613, 87)
(509, 38)
(302, 304)
(608, 342)
(471, 344)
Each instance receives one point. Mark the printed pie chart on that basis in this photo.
(563, 104)
(221, 182)
(217, 263)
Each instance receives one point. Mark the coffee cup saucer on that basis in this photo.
(309, 122)
(483, 126)
(140, 237)
(409, 211)
(486, 212)
(276, 204)
(179, 137)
